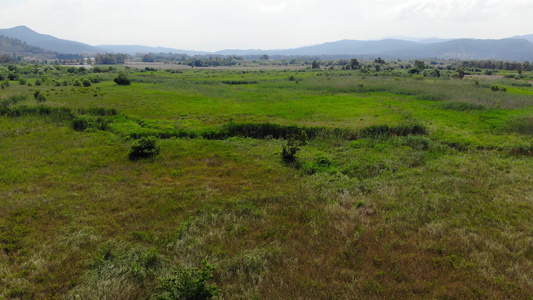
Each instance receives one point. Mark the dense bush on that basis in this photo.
(122, 79)
(497, 88)
(292, 146)
(80, 124)
(145, 147)
(40, 97)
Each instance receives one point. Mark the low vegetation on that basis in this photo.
(367, 182)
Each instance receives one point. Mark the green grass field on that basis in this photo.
(365, 211)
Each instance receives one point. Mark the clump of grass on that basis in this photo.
(386, 130)
(522, 125)
(239, 82)
(461, 106)
(522, 84)
(522, 150)
(189, 284)
(12, 100)
(98, 111)
(56, 113)
(119, 272)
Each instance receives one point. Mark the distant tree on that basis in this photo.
(353, 64)
(420, 65)
(461, 72)
(264, 57)
(315, 65)
(148, 58)
(122, 79)
(5, 58)
(379, 60)
(109, 58)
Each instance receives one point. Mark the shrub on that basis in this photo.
(497, 88)
(294, 142)
(122, 79)
(86, 83)
(22, 81)
(39, 96)
(145, 147)
(38, 82)
(80, 124)
(189, 283)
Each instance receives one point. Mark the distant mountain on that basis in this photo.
(351, 47)
(19, 48)
(504, 49)
(429, 40)
(134, 49)
(517, 48)
(528, 37)
(48, 42)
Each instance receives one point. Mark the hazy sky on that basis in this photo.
(211, 25)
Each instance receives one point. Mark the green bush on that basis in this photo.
(145, 147)
(39, 96)
(294, 142)
(497, 88)
(80, 124)
(122, 79)
(189, 284)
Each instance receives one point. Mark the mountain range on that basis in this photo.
(517, 48)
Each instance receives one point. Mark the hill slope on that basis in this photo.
(518, 48)
(504, 49)
(47, 42)
(19, 48)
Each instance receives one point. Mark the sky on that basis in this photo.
(211, 25)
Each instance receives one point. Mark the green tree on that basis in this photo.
(315, 65)
(294, 142)
(148, 58)
(354, 64)
(420, 65)
(461, 72)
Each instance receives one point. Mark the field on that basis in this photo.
(401, 187)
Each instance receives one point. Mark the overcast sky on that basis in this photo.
(210, 25)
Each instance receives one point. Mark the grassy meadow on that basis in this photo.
(406, 187)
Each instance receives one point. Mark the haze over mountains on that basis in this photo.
(517, 48)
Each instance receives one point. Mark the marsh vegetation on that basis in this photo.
(264, 184)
